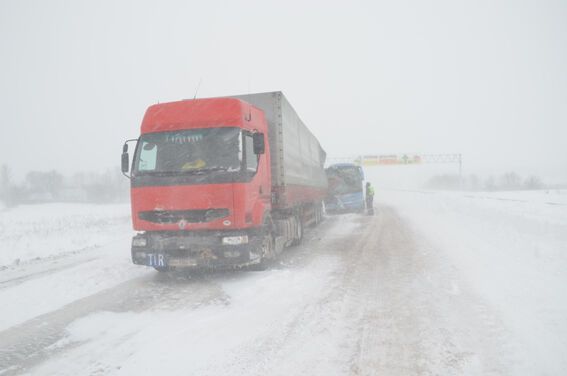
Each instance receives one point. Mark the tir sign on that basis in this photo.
(156, 260)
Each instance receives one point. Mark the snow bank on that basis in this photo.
(38, 231)
(511, 247)
(54, 254)
(541, 196)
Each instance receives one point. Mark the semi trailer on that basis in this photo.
(222, 182)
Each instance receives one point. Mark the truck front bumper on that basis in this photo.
(196, 250)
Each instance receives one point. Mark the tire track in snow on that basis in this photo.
(421, 319)
(28, 344)
(20, 276)
(322, 321)
(392, 305)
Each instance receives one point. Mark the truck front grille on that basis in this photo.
(191, 216)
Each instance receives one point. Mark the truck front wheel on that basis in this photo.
(267, 250)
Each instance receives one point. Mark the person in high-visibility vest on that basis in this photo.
(369, 198)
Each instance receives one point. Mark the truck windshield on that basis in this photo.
(195, 151)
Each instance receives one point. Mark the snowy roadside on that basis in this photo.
(238, 316)
(212, 324)
(54, 254)
(542, 196)
(31, 232)
(109, 266)
(511, 248)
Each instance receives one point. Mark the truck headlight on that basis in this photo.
(139, 241)
(235, 240)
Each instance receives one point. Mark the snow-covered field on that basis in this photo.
(435, 283)
(511, 248)
(54, 254)
(31, 232)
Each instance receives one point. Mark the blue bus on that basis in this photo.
(345, 192)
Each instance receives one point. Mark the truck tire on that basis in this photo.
(268, 247)
(299, 231)
(319, 214)
(316, 216)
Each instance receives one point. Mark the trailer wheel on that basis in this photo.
(299, 231)
(316, 216)
(319, 214)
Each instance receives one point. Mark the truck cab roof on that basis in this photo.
(201, 113)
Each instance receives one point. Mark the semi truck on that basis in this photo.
(222, 182)
(345, 193)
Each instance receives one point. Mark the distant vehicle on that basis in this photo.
(345, 193)
(223, 182)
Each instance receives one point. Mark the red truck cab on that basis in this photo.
(200, 167)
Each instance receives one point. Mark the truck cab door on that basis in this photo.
(258, 190)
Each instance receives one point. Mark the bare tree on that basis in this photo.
(445, 182)
(473, 183)
(44, 182)
(510, 181)
(490, 184)
(6, 188)
(533, 182)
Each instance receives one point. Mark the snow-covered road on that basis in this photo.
(382, 295)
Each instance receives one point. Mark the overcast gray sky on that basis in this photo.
(487, 79)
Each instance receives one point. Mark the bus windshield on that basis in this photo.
(342, 180)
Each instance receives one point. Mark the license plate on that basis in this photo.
(182, 262)
(156, 259)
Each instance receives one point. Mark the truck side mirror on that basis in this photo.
(259, 145)
(125, 162)
(125, 158)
